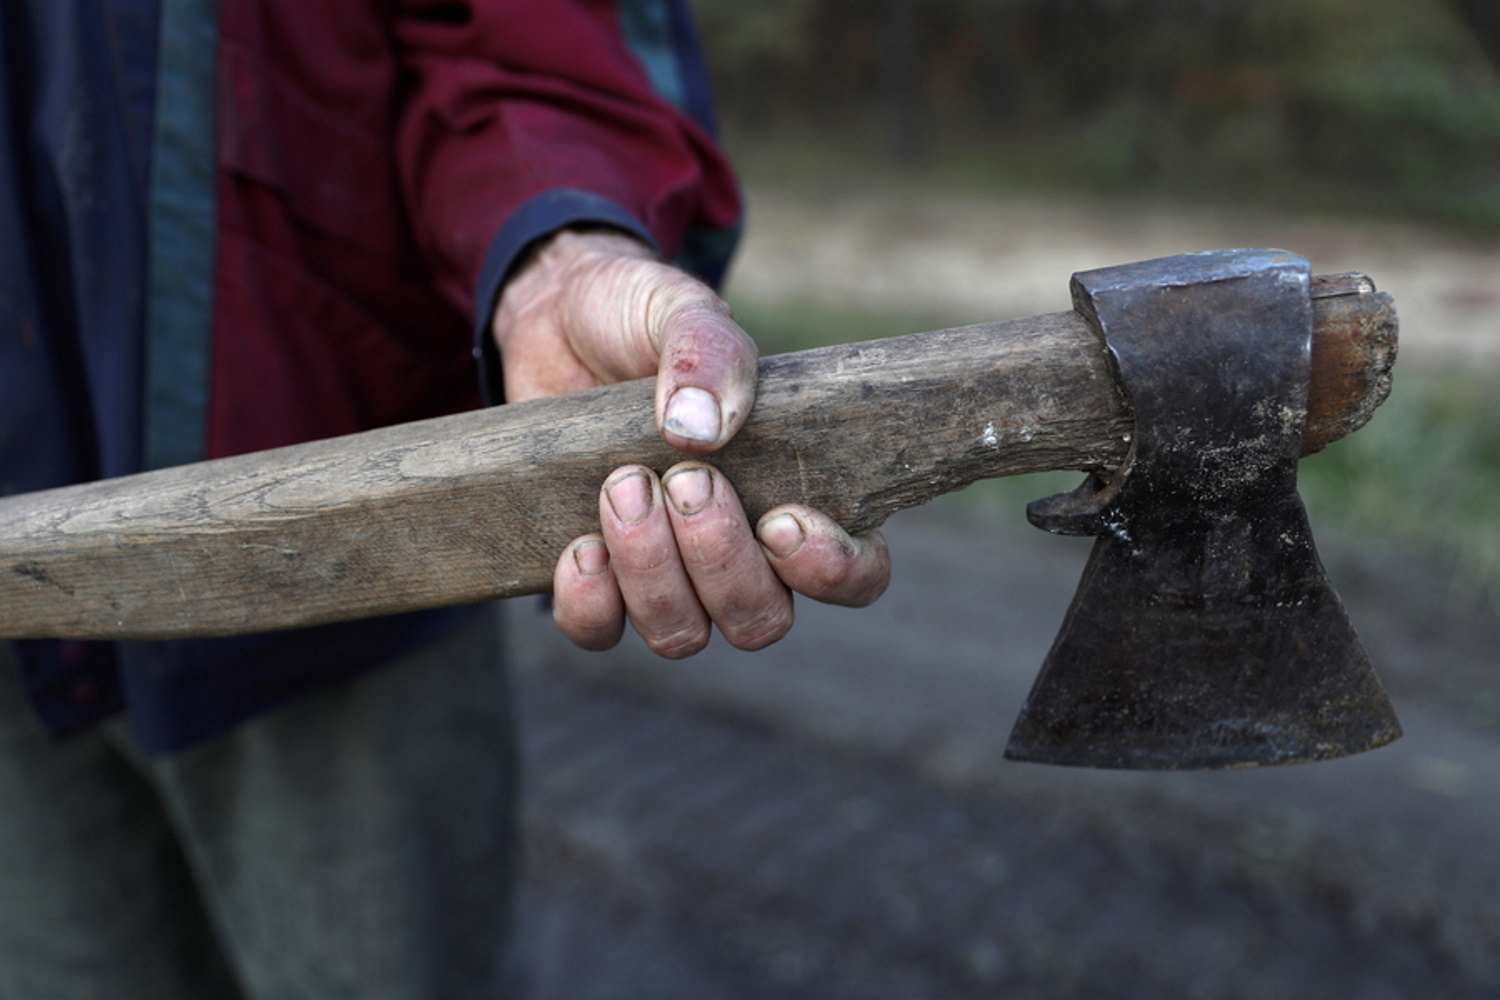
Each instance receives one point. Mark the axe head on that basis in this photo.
(1205, 632)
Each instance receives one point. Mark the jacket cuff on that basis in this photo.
(539, 216)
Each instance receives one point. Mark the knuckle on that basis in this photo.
(670, 629)
(593, 632)
(596, 639)
(715, 558)
(679, 644)
(867, 589)
(874, 578)
(854, 573)
(870, 591)
(766, 628)
(824, 578)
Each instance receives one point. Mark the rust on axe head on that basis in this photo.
(1205, 632)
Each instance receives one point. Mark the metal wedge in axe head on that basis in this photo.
(1205, 632)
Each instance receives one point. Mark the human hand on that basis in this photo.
(676, 553)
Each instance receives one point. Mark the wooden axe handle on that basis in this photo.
(480, 505)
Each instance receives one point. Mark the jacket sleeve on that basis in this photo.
(523, 116)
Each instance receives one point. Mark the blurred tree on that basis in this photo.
(902, 53)
(1483, 17)
(1136, 95)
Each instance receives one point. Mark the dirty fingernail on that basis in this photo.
(592, 558)
(630, 497)
(782, 534)
(694, 414)
(690, 489)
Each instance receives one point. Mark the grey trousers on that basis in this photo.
(356, 843)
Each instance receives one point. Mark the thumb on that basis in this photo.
(705, 383)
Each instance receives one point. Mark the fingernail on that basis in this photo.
(592, 558)
(690, 489)
(782, 534)
(630, 497)
(694, 414)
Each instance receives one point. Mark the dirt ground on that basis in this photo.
(833, 818)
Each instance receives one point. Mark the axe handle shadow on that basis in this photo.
(479, 505)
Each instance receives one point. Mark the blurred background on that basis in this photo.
(833, 818)
(1384, 106)
(1012, 134)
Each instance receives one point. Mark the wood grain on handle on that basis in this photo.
(480, 505)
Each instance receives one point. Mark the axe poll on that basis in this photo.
(479, 505)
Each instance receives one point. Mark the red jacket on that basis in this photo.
(291, 222)
(373, 154)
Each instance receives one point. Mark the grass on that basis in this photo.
(1425, 472)
(1423, 475)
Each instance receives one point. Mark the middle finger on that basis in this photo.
(734, 583)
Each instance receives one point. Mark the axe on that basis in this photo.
(1205, 633)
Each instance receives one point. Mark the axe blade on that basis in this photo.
(1205, 632)
(1216, 647)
